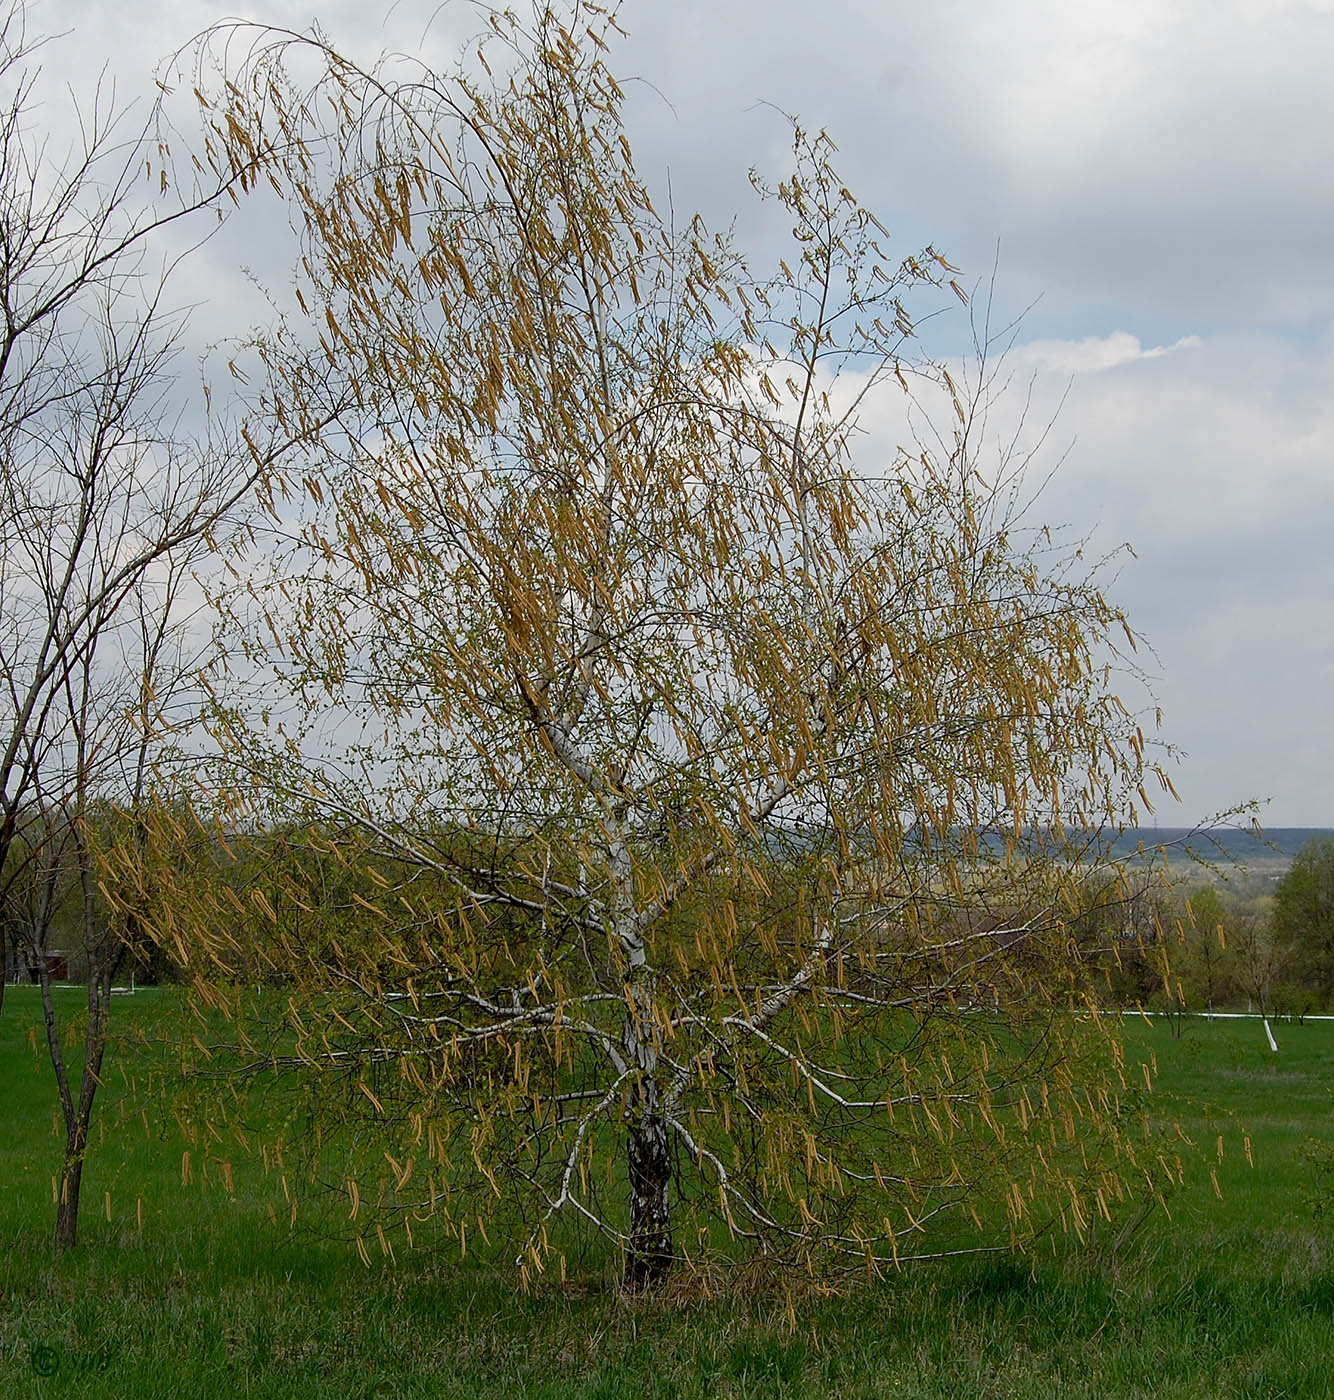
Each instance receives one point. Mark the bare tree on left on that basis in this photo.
(107, 503)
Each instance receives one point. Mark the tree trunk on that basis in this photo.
(71, 1181)
(78, 1114)
(648, 1250)
(648, 1256)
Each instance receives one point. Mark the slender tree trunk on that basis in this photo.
(71, 1168)
(648, 1252)
(71, 1182)
(648, 1256)
(78, 1114)
(76, 1138)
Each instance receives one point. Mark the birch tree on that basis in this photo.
(706, 794)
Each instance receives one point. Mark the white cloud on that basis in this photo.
(1094, 353)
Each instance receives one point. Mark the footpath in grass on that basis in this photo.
(193, 1292)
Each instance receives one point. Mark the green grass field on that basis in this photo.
(180, 1291)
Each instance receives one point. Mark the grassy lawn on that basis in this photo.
(195, 1292)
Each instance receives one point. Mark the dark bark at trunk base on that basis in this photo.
(67, 1206)
(648, 1255)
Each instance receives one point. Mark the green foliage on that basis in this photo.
(1209, 948)
(1303, 919)
(1206, 963)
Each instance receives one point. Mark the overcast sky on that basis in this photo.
(1156, 180)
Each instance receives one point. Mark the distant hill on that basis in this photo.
(1224, 843)
(1244, 845)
